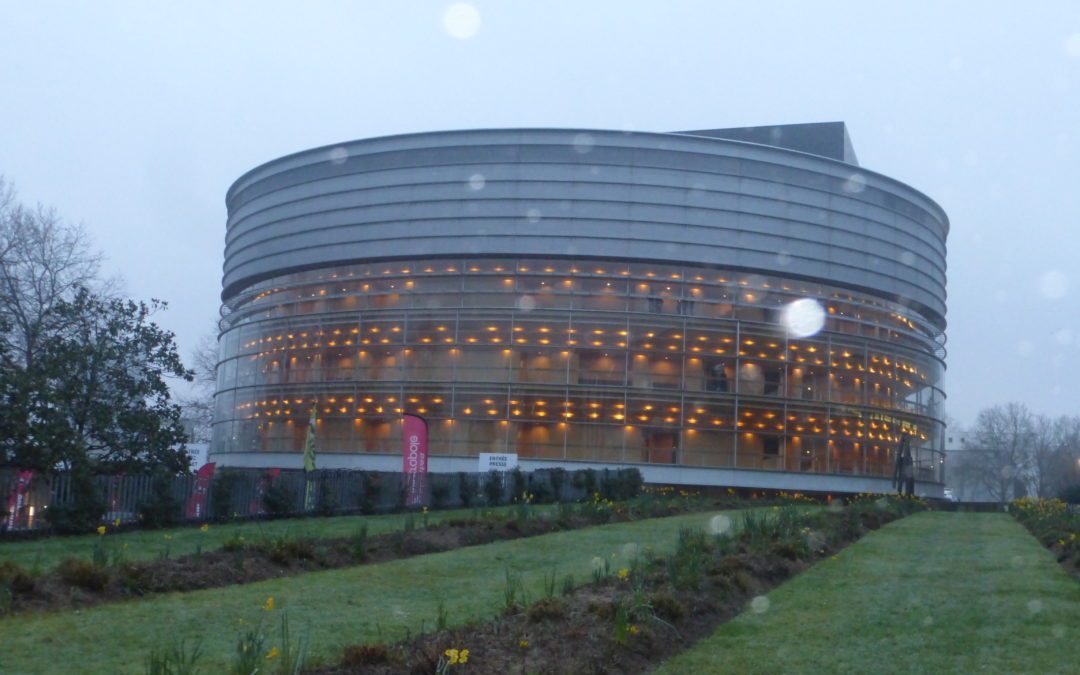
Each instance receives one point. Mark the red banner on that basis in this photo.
(196, 506)
(414, 451)
(17, 498)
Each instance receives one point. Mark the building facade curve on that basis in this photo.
(588, 297)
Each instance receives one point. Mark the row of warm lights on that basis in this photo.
(794, 436)
(695, 345)
(574, 269)
(646, 414)
(567, 288)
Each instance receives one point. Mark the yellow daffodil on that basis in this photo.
(463, 656)
(116, 523)
(273, 654)
(268, 606)
(624, 574)
(101, 529)
(524, 644)
(205, 527)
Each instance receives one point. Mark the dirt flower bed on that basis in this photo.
(1055, 524)
(109, 578)
(629, 620)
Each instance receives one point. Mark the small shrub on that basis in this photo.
(365, 655)
(359, 542)
(221, 494)
(369, 499)
(328, 500)
(517, 480)
(547, 609)
(278, 499)
(466, 489)
(285, 551)
(585, 480)
(161, 508)
(493, 488)
(440, 493)
(176, 659)
(568, 584)
(667, 606)
(557, 477)
(250, 648)
(84, 512)
(511, 590)
(83, 574)
(15, 577)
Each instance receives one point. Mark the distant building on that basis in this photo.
(730, 307)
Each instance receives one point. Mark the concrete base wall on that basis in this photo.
(652, 473)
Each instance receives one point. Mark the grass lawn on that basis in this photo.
(358, 604)
(149, 544)
(933, 593)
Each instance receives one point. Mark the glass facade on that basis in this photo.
(568, 359)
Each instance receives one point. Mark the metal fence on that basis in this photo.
(260, 493)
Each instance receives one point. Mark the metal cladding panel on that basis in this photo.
(607, 194)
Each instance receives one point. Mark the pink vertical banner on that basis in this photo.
(196, 506)
(17, 498)
(414, 457)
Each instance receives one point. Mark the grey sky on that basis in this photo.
(135, 117)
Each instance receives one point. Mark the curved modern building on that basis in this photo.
(742, 307)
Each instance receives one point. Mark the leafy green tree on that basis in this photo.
(97, 395)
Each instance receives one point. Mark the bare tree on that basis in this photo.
(998, 451)
(43, 260)
(198, 406)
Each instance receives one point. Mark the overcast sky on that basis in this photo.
(134, 118)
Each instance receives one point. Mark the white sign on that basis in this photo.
(491, 461)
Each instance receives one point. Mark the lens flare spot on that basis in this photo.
(760, 605)
(461, 20)
(803, 318)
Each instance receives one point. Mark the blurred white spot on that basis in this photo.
(815, 540)
(882, 503)
(928, 621)
(1017, 561)
(1058, 630)
(1072, 45)
(597, 563)
(526, 303)
(337, 155)
(803, 318)
(719, 524)
(594, 170)
(1054, 284)
(1064, 336)
(1025, 348)
(855, 183)
(1007, 472)
(1034, 606)
(533, 215)
(583, 143)
(759, 605)
(783, 258)
(477, 181)
(630, 550)
(461, 20)
(908, 258)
